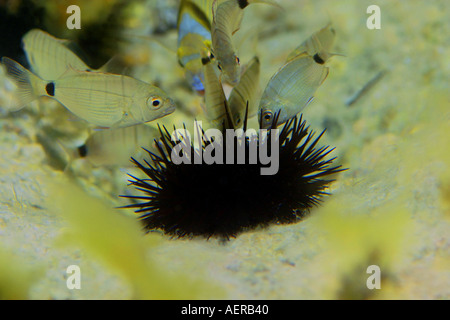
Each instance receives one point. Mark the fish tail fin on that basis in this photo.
(25, 81)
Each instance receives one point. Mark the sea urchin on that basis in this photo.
(225, 199)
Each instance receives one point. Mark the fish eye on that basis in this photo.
(219, 66)
(237, 60)
(267, 116)
(155, 102)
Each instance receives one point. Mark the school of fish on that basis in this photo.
(207, 53)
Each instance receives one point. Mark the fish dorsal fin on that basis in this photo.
(76, 49)
(115, 65)
(153, 39)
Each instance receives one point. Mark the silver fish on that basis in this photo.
(291, 89)
(215, 99)
(102, 99)
(245, 93)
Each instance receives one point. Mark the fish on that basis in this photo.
(194, 36)
(291, 89)
(227, 19)
(318, 45)
(103, 99)
(245, 93)
(114, 147)
(215, 100)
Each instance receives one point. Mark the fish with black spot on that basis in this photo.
(318, 45)
(103, 99)
(293, 86)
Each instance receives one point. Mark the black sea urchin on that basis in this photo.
(225, 199)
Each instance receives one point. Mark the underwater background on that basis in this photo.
(390, 209)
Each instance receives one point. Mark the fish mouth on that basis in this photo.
(171, 107)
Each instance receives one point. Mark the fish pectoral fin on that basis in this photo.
(122, 122)
(118, 124)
